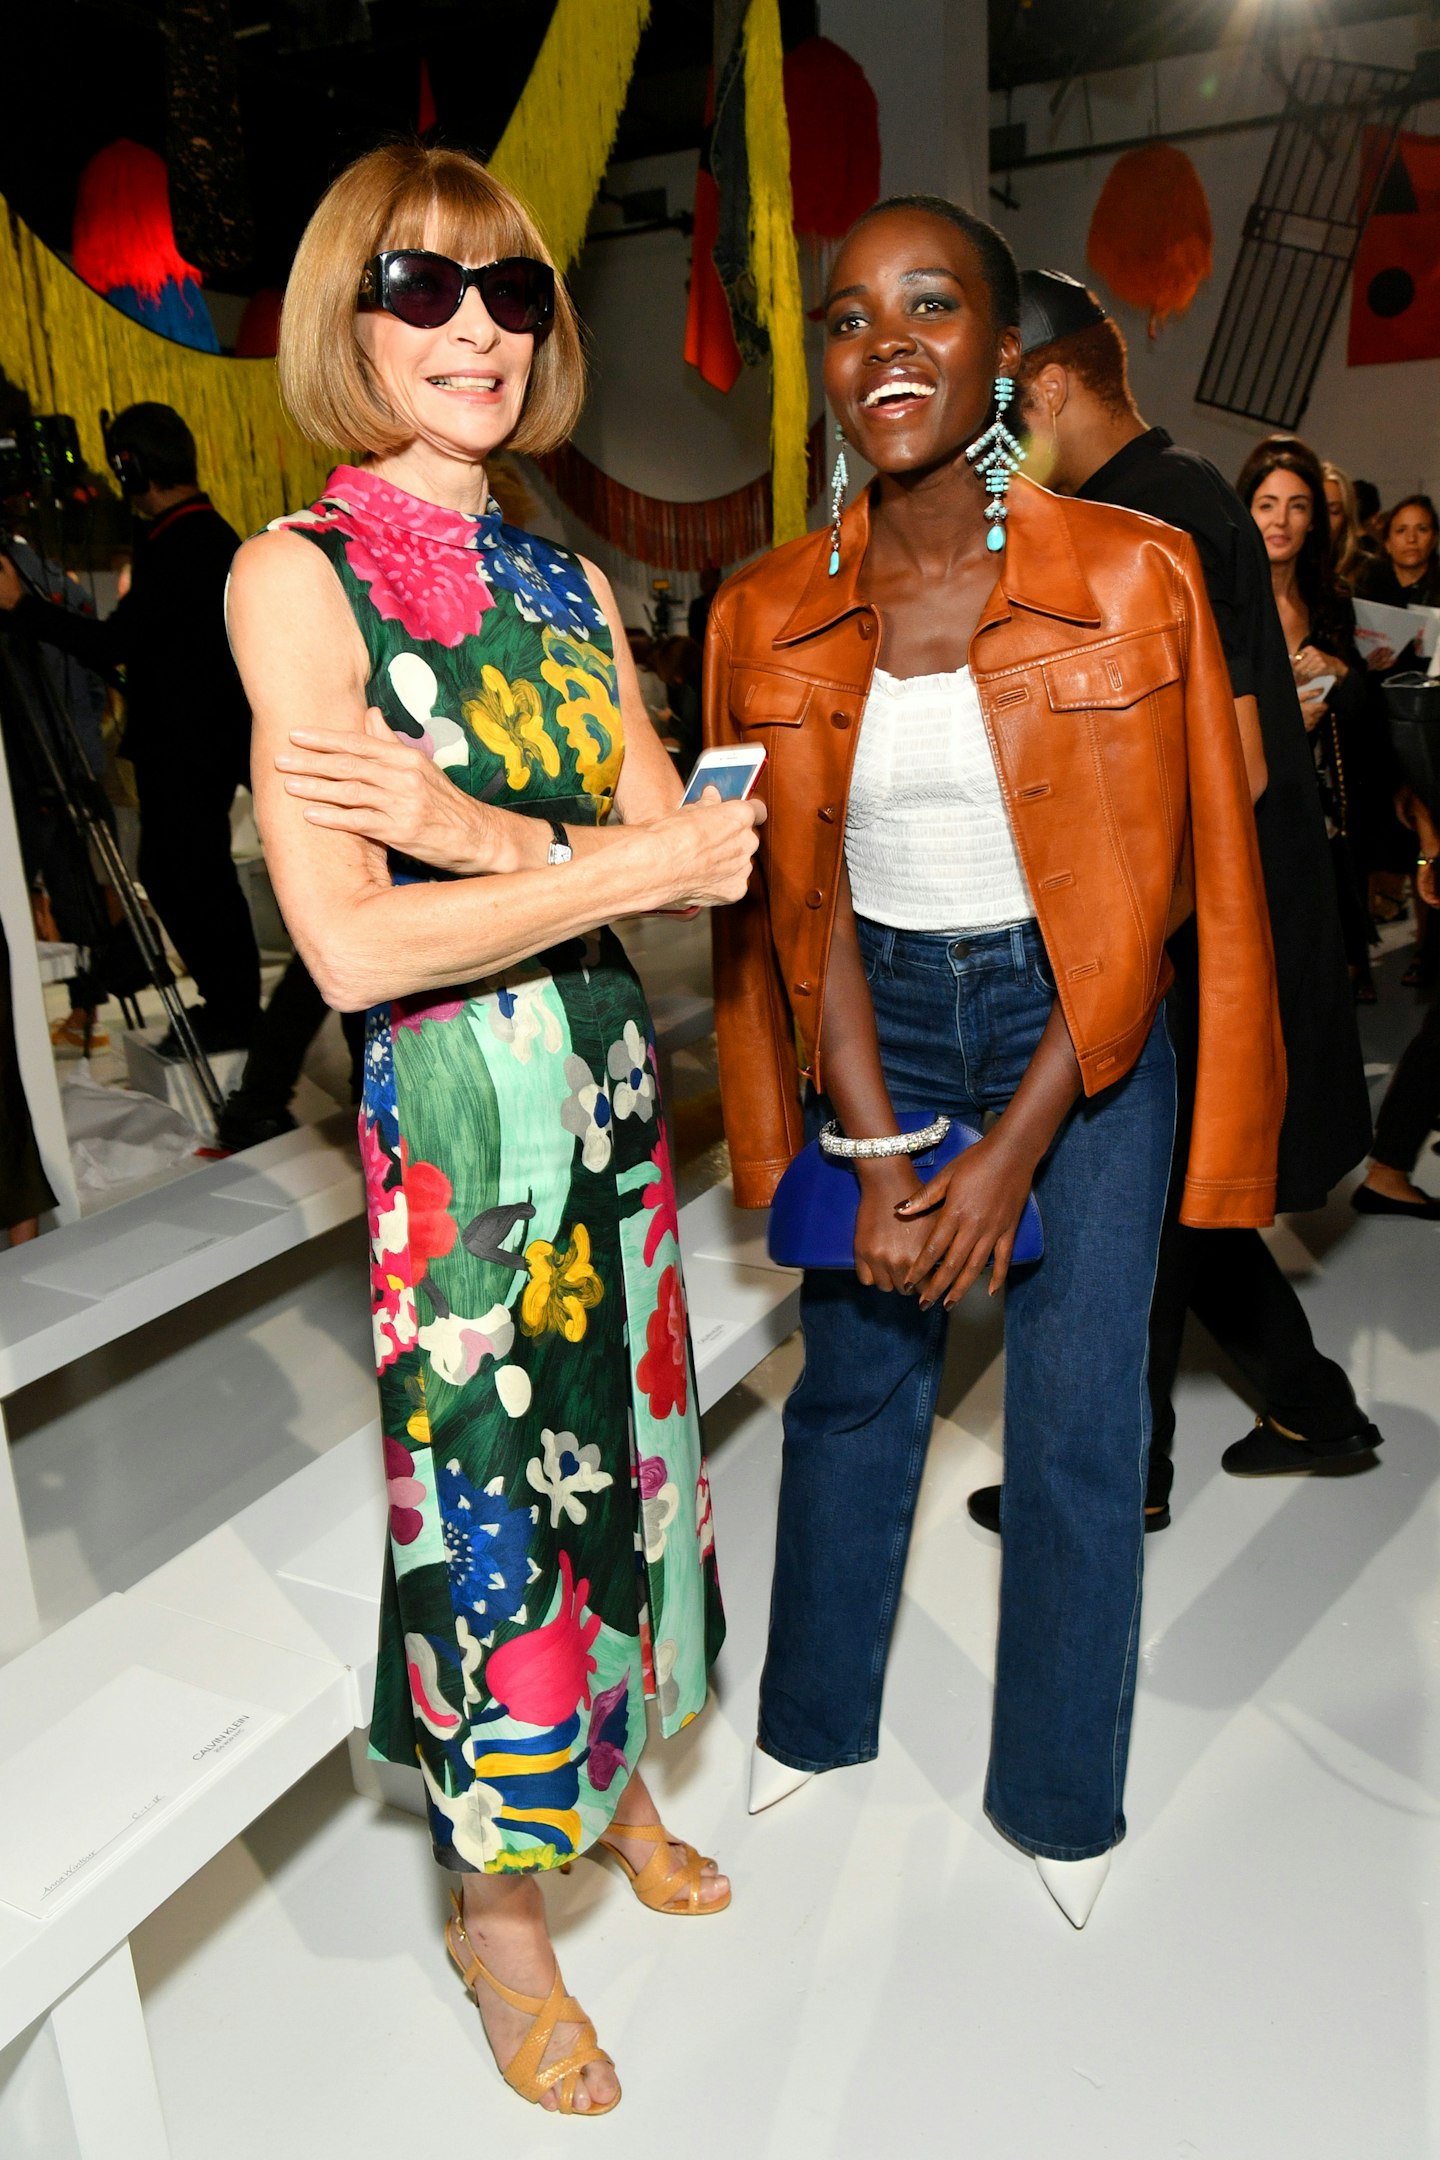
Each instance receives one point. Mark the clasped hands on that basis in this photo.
(933, 1240)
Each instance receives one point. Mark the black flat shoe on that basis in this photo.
(984, 1506)
(1366, 1201)
(1271, 1451)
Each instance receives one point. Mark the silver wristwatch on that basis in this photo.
(560, 848)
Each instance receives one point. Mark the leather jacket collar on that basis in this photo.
(1039, 569)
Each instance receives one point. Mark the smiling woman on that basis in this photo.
(982, 791)
(413, 663)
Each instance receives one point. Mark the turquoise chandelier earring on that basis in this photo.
(997, 456)
(839, 481)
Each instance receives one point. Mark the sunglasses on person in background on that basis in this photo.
(426, 290)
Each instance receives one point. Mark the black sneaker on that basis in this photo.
(214, 1036)
(984, 1506)
(245, 1122)
(1271, 1450)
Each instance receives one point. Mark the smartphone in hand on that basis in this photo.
(731, 770)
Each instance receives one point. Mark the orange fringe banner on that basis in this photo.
(723, 530)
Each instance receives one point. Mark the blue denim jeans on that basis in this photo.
(959, 1017)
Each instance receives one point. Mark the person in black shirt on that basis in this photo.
(1088, 439)
(187, 729)
(697, 617)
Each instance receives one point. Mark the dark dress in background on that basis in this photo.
(1228, 1278)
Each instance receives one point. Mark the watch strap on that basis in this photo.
(560, 848)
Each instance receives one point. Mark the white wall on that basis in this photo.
(1382, 422)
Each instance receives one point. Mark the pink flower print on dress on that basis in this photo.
(406, 1493)
(660, 1197)
(430, 587)
(543, 1677)
(412, 1011)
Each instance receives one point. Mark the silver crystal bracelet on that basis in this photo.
(834, 1142)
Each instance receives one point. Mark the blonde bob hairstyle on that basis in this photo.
(405, 196)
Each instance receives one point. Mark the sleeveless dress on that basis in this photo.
(551, 1558)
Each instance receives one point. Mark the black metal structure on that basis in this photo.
(1333, 147)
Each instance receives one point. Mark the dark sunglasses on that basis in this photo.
(425, 290)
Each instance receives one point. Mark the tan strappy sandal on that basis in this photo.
(660, 1884)
(524, 2073)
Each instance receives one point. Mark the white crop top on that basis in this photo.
(927, 841)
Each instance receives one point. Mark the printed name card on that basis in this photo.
(106, 1774)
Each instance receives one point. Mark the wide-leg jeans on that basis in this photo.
(959, 1016)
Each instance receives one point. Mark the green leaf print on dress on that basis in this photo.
(551, 1559)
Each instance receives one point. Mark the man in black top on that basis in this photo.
(187, 728)
(1087, 439)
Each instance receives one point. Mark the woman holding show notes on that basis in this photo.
(1283, 486)
(458, 787)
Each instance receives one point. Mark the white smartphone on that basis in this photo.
(732, 770)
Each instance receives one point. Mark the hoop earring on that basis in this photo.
(997, 455)
(839, 482)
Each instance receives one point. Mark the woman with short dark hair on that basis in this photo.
(1000, 738)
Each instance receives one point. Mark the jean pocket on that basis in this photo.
(1041, 977)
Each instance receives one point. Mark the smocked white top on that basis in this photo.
(927, 842)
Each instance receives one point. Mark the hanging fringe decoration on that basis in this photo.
(725, 530)
(557, 144)
(71, 352)
(776, 264)
(1150, 235)
(122, 233)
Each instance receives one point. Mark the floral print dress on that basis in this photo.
(551, 1560)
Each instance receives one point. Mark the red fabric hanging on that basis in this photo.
(709, 334)
(834, 121)
(122, 233)
(1395, 294)
(726, 529)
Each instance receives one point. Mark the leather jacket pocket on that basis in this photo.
(1109, 677)
(760, 698)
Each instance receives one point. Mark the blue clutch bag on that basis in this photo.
(812, 1216)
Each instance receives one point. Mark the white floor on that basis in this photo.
(1255, 1984)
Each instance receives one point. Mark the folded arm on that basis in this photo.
(304, 666)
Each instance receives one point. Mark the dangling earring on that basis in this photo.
(839, 481)
(997, 455)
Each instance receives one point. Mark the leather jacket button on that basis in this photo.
(815, 898)
(800, 989)
(867, 626)
(827, 813)
(839, 719)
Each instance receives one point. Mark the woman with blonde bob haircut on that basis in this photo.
(459, 788)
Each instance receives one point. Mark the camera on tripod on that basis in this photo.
(40, 458)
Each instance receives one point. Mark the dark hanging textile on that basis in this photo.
(730, 163)
(209, 198)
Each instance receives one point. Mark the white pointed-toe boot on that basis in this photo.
(771, 1781)
(1074, 1884)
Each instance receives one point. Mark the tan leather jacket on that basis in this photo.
(1112, 724)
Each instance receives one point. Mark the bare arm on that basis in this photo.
(385, 789)
(302, 659)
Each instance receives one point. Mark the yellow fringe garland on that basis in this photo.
(72, 352)
(775, 261)
(557, 144)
